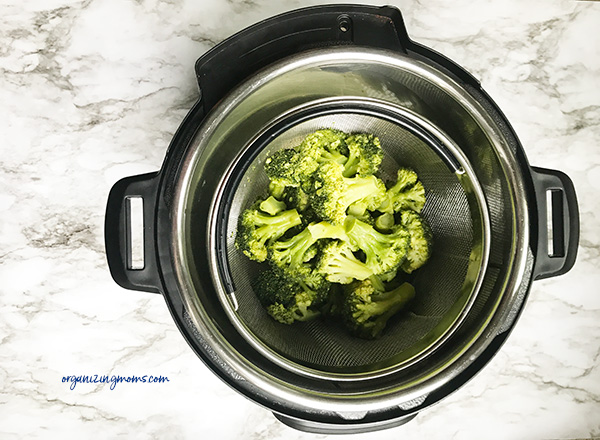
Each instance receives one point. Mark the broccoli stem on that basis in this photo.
(272, 206)
(389, 303)
(276, 226)
(346, 268)
(327, 230)
(385, 221)
(276, 189)
(351, 166)
(291, 252)
(377, 283)
(334, 156)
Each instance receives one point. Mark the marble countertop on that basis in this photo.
(92, 91)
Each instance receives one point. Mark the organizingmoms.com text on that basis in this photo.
(113, 380)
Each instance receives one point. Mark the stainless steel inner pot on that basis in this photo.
(481, 255)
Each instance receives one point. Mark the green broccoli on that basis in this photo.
(359, 210)
(406, 193)
(383, 252)
(366, 310)
(386, 277)
(421, 239)
(326, 145)
(280, 168)
(364, 155)
(272, 206)
(384, 222)
(288, 300)
(256, 229)
(331, 193)
(293, 254)
(339, 265)
(295, 197)
(333, 235)
(321, 147)
(276, 189)
(333, 306)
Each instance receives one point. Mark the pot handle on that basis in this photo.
(558, 223)
(118, 236)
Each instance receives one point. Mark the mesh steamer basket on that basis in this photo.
(352, 68)
(447, 285)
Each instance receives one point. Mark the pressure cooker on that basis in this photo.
(498, 223)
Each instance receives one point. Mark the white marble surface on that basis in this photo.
(92, 91)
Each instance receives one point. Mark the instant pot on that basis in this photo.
(498, 223)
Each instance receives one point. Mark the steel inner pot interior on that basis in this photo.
(456, 113)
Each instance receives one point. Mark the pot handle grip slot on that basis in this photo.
(129, 233)
(558, 223)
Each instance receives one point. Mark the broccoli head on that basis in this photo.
(288, 300)
(325, 145)
(320, 147)
(256, 229)
(383, 252)
(366, 310)
(331, 193)
(406, 193)
(281, 166)
(339, 265)
(421, 239)
(364, 155)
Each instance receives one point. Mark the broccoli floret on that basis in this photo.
(364, 155)
(406, 193)
(366, 310)
(323, 146)
(295, 166)
(281, 169)
(290, 254)
(295, 197)
(256, 229)
(383, 252)
(299, 311)
(293, 254)
(272, 206)
(331, 193)
(421, 240)
(339, 265)
(288, 300)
